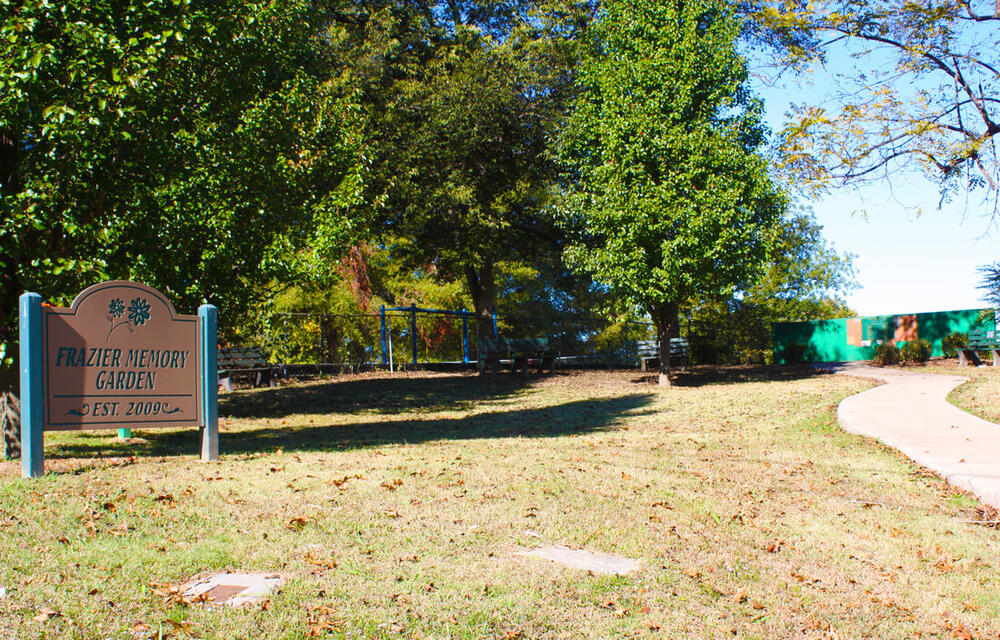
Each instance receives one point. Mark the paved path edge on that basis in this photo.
(928, 395)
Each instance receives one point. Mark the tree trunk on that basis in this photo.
(10, 422)
(665, 318)
(10, 407)
(483, 291)
(10, 290)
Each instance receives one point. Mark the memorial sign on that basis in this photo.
(119, 356)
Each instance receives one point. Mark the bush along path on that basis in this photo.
(910, 412)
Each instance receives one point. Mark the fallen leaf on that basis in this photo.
(320, 619)
(296, 524)
(392, 486)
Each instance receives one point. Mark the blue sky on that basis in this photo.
(911, 256)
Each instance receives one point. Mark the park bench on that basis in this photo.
(520, 351)
(241, 361)
(649, 350)
(979, 340)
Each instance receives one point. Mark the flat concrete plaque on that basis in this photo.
(585, 560)
(234, 589)
(120, 355)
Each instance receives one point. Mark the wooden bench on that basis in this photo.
(239, 361)
(520, 351)
(649, 350)
(979, 340)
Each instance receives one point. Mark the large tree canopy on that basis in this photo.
(922, 91)
(463, 97)
(198, 146)
(666, 189)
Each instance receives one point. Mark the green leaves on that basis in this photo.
(199, 147)
(666, 193)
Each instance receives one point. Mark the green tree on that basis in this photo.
(196, 146)
(464, 97)
(666, 190)
(806, 279)
(922, 92)
(989, 283)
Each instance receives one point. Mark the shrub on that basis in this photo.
(886, 353)
(916, 351)
(951, 343)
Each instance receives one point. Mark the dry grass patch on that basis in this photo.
(395, 506)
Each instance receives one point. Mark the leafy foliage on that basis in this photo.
(886, 353)
(915, 351)
(951, 343)
(464, 96)
(194, 146)
(805, 279)
(922, 92)
(989, 283)
(666, 193)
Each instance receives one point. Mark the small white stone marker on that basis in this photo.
(586, 560)
(234, 589)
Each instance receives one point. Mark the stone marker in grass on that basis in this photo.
(596, 562)
(234, 589)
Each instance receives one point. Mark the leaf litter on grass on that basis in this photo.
(729, 469)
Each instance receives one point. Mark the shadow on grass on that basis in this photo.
(390, 395)
(701, 375)
(578, 417)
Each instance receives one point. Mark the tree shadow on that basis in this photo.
(701, 375)
(578, 417)
(384, 394)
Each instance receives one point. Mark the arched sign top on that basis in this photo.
(120, 355)
(126, 286)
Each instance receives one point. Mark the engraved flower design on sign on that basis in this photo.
(138, 314)
(138, 311)
(116, 308)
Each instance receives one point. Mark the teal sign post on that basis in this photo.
(119, 357)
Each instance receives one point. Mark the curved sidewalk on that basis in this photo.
(911, 413)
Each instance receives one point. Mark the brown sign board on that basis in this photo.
(120, 356)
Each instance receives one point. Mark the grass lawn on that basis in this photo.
(395, 507)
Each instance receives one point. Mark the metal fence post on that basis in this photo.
(385, 346)
(465, 337)
(413, 331)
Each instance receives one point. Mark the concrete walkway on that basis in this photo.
(911, 413)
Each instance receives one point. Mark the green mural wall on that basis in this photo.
(829, 340)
